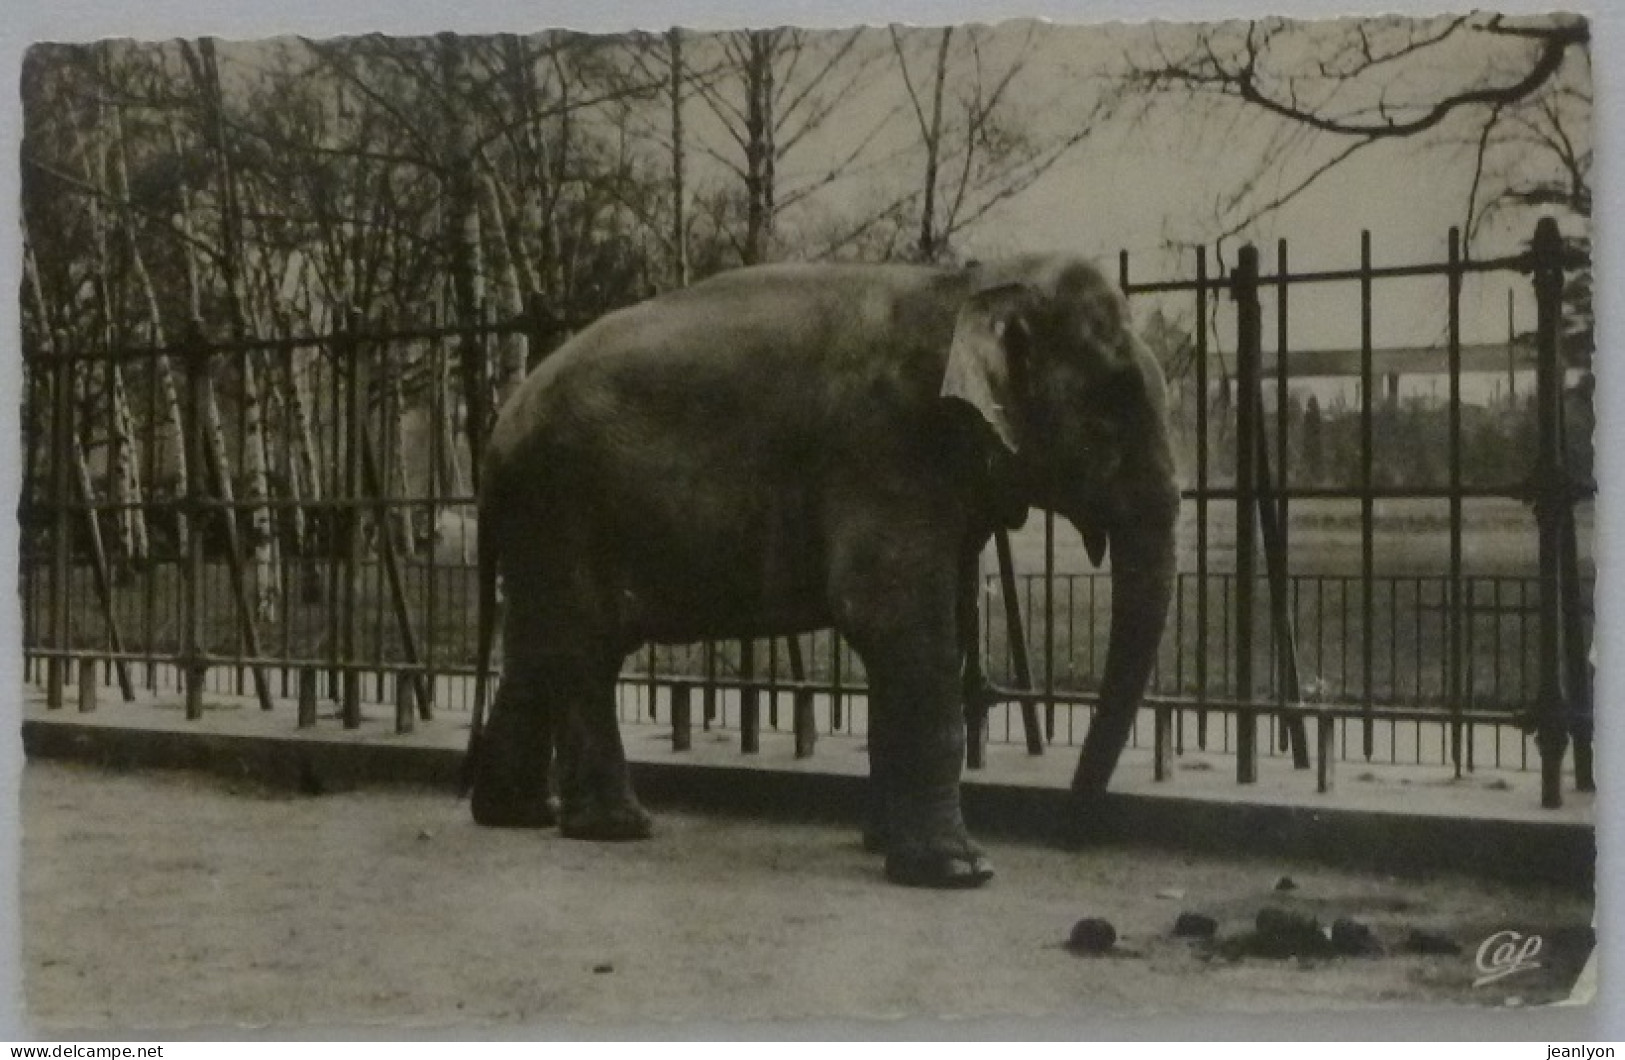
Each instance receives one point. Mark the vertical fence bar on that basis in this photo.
(772, 683)
(750, 722)
(197, 386)
(837, 693)
(436, 484)
(56, 668)
(354, 555)
(1453, 609)
(1018, 641)
(1273, 522)
(1552, 497)
(1202, 634)
(1049, 625)
(375, 481)
(335, 517)
(1368, 600)
(1245, 287)
(1282, 395)
(150, 577)
(1575, 653)
(708, 712)
(1288, 686)
(1162, 734)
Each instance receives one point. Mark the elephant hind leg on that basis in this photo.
(597, 800)
(512, 784)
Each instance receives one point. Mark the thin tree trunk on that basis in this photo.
(462, 234)
(123, 475)
(760, 152)
(125, 472)
(514, 344)
(262, 538)
(929, 248)
(172, 454)
(679, 194)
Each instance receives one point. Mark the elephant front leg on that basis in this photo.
(927, 843)
(906, 633)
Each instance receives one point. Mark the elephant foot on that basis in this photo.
(528, 811)
(611, 821)
(958, 868)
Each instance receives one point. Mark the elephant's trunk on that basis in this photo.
(1144, 561)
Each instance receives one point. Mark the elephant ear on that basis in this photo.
(987, 359)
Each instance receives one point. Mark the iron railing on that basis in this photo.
(360, 610)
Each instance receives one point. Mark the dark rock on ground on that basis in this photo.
(1280, 933)
(1431, 942)
(1353, 939)
(1195, 926)
(1092, 935)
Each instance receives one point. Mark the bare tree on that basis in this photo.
(978, 144)
(1514, 90)
(773, 91)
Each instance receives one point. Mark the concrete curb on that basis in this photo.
(1554, 852)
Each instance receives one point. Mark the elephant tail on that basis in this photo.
(485, 546)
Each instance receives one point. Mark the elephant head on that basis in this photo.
(1044, 351)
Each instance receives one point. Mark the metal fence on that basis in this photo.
(351, 580)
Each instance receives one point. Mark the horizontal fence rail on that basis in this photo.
(1329, 578)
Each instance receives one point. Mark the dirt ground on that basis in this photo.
(168, 900)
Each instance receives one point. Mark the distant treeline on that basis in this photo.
(1410, 440)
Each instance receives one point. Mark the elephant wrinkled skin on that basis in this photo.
(792, 447)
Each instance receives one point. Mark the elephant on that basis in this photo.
(784, 448)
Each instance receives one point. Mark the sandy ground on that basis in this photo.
(168, 900)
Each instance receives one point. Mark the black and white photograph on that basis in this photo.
(946, 526)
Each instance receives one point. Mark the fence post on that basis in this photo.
(56, 667)
(1576, 657)
(1049, 625)
(1368, 565)
(750, 722)
(1162, 742)
(197, 385)
(1325, 751)
(307, 697)
(1245, 290)
(708, 712)
(1289, 690)
(806, 723)
(682, 726)
(87, 685)
(375, 481)
(406, 687)
(1553, 497)
(1202, 382)
(1455, 612)
(354, 556)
